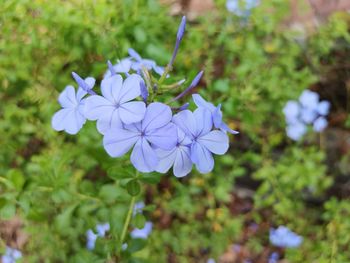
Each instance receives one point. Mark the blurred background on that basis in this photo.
(257, 56)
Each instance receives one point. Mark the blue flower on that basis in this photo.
(138, 63)
(179, 157)
(90, 239)
(283, 237)
(308, 110)
(71, 117)
(142, 233)
(216, 113)
(154, 131)
(211, 260)
(197, 126)
(115, 107)
(102, 229)
(11, 255)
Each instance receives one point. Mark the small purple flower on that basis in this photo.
(292, 111)
(211, 260)
(102, 229)
(115, 107)
(71, 117)
(179, 157)
(90, 239)
(144, 91)
(154, 131)
(283, 237)
(144, 232)
(216, 113)
(11, 255)
(197, 126)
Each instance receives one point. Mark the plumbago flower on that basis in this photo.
(307, 111)
(115, 107)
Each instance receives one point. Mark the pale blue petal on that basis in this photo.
(110, 120)
(320, 124)
(186, 122)
(130, 89)
(182, 138)
(118, 142)
(157, 115)
(67, 97)
(166, 159)
(80, 94)
(164, 137)
(309, 99)
(183, 163)
(97, 106)
(69, 120)
(131, 112)
(323, 107)
(90, 81)
(203, 121)
(111, 87)
(201, 103)
(142, 233)
(143, 157)
(224, 127)
(134, 54)
(308, 115)
(159, 70)
(202, 158)
(217, 116)
(215, 141)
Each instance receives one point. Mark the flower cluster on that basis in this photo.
(91, 236)
(11, 255)
(130, 119)
(309, 110)
(285, 238)
(237, 8)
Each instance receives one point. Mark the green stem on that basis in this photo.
(128, 219)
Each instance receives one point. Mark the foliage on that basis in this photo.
(61, 185)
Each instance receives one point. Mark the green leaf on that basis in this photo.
(17, 178)
(136, 245)
(8, 211)
(139, 221)
(133, 187)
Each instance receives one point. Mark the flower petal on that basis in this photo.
(202, 103)
(157, 115)
(131, 112)
(67, 97)
(80, 94)
(117, 142)
(224, 127)
(203, 120)
(217, 116)
(143, 157)
(130, 89)
(202, 158)
(97, 106)
(69, 120)
(111, 87)
(164, 137)
(110, 120)
(186, 122)
(215, 141)
(166, 159)
(183, 163)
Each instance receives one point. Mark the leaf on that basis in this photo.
(139, 221)
(133, 187)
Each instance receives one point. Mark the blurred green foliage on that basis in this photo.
(62, 185)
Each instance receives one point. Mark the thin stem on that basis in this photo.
(128, 219)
